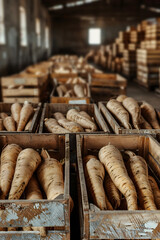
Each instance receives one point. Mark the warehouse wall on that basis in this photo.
(72, 34)
(13, 57)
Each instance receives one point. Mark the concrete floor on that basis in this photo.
(142, 94)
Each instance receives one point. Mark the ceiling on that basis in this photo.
(103, 8)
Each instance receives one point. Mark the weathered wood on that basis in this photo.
(21, 99)
(91, 109)
(21, 235)
(97, 224)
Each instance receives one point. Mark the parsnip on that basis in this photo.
(132, 106)
(73, 115)
(27, 162)
(53, 126)
(112, 159)
(139, 172)
(71, 126)
(149, 114)
(119, 112)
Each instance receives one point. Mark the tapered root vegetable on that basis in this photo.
(53, 126)
(8, 163)
(28, 125)
(112, 159)
(112, 192)
(132, 106)
(86, 115)
(73, 115)
(1, 125)
(144, 124)
(87, 158)
(15, 110)
(33, 192)
(9, 124)
(25, 114)
(139, 174)
(95, 173)
(50, 175)
(79, 90)
(156, 191)
(149, 114)
(120, 98)
(119, 112)
(3, 115)
(27, 162)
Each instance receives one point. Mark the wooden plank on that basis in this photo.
(25, 213)
(20, 92)
(124, 224)
(21, 99)
(33, 235)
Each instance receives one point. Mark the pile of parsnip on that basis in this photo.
(23, 172)
(116, 182)
(77, 90)
(20, 119)
(131, 114)
(75, 121)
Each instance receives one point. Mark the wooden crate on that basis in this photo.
(71, 100)
(91, 109)
(117, 128)
(107, 80)
(53, 214)
(6, 107)
(20, 87)
(118, 224)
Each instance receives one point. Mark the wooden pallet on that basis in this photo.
(117, 224)
(117, 127)
(91, 109)
(6, 108)
(55, 214)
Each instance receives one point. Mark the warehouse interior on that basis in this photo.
(79, 119)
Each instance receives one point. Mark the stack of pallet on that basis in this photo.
(148, 56)
(148, 62)
(129, 63)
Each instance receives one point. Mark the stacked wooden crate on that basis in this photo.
(148, 57)
(129, 62)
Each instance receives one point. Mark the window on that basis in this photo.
(46, 37)
(2, 26)
(23, 27)
(38, 32)
(94, 36)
